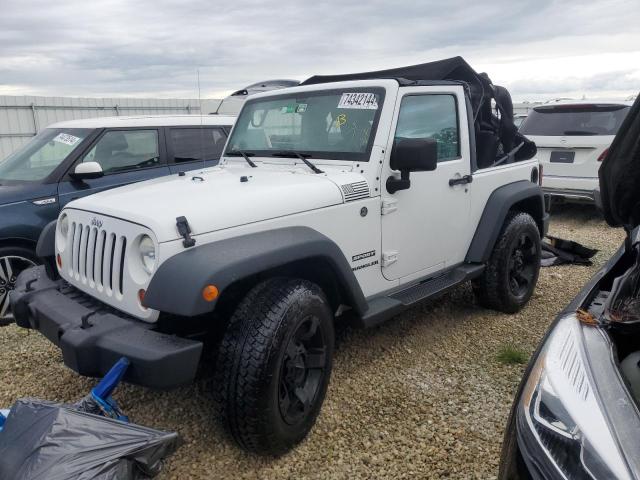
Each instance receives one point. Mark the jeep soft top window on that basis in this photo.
(584, 119)
(38, 158)
(329, 124)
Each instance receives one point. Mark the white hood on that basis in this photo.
(217, 198)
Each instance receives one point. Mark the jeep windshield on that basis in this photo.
(570, 120)
(37, 159)
(327, 124)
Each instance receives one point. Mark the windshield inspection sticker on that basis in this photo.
(360, 100)
(297, 108)
(66, 139)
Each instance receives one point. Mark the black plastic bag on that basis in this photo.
(557, 251)
(46, 440)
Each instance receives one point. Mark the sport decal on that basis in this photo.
(362, 256)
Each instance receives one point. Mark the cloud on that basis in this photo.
(153, 48)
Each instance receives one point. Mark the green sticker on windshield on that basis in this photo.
(298, 108)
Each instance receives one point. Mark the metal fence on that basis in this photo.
(23, 117)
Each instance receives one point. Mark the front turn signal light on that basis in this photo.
(141, 293)
(210, 293)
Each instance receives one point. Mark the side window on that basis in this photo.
(191, 144)
(431, 116)
(122, 150)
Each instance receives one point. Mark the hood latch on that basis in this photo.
(185, 232)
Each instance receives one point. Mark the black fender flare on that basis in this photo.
(177, 285)
(528, 194)
(46, 246)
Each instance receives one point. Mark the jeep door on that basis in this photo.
(428, 229)
(126, 155)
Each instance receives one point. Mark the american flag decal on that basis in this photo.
(355, 191)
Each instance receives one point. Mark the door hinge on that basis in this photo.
(389, 257)
(389, 205)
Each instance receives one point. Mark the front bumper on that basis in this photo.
(92, 336)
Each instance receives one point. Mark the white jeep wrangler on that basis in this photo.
(346, 198)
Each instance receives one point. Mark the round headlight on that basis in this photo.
(61, 232)
(147, 254)
(63, 225)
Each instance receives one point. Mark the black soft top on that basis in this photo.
(497, 138)
(450, 69)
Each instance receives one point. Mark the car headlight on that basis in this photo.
(560, 419)
(147, 251)
(62, 232)
(63, 225)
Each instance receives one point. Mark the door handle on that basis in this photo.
(460, 181)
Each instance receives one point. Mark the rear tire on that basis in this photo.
(511, 274)
(274, 365)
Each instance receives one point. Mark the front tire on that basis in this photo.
(511, 274)
(274, 365)
(13, 260)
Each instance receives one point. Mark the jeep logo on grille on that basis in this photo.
(96, 222)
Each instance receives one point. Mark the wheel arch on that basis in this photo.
(523, 196)
(236, 264)
(18, 242)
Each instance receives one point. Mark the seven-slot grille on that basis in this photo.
(98, 257)
(355, 191)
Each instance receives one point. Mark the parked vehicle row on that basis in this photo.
(346, 198)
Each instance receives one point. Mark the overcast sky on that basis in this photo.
(539, 49)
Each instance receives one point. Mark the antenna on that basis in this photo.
(204, 162)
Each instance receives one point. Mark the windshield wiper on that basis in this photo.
(240, 153)
(301, 156)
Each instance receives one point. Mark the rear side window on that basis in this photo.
(431, 116)
(196, 144)
(571, 120)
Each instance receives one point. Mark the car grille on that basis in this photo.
(98, 257)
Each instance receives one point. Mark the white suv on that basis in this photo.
(572, 139)
(347, 198)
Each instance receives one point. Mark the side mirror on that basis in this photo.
(411, 155)
(87, 170)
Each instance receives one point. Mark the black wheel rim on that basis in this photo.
(10, 268)
(302, 372)
(522, 265)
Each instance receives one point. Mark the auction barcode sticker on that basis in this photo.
(66, 139)
(359, 100)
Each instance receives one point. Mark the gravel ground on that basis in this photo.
(422, 396)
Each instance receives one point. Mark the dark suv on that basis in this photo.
(73, 159)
